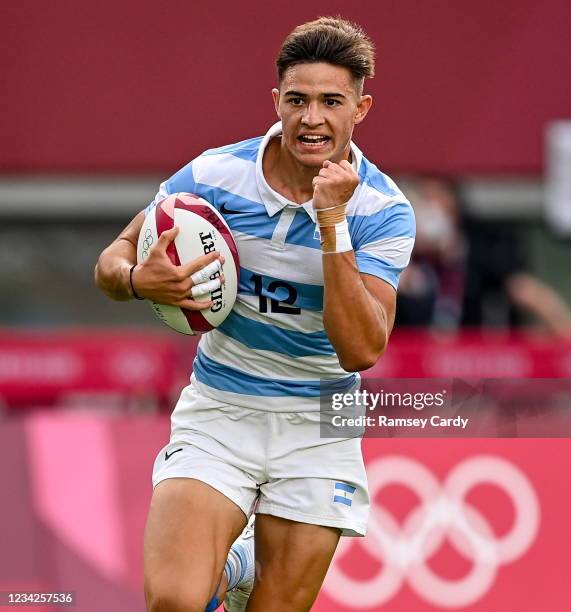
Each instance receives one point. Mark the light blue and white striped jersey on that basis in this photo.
(272, 351)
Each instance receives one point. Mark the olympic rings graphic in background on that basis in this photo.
(443, 513)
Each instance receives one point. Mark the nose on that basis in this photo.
(312, 116)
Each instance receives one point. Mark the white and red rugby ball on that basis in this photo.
(202, 229)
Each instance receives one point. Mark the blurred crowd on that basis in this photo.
(466, 272)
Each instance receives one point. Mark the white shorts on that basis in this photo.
(273, 461)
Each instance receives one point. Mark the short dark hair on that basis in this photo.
(332, 40)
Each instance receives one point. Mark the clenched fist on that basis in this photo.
(334, 185)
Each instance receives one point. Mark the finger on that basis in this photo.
(203, 275)
(167, 237)
(333, 171)
(346, 168)
(327, 163)
(340, 169)
(205, 288)
(194, 305)
(200, 262)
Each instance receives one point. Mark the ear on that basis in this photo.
(363, 107)
(276, 97)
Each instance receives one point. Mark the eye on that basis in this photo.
(295, 101)
(331, 102)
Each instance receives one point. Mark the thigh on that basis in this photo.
(328, 502)
(291, 562)
(315, 480)
(189, 531)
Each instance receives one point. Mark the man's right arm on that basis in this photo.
(157, 278)
(113, 267)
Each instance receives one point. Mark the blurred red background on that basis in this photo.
(462, 86)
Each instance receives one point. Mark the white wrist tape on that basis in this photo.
(334, 229)
(336, 238)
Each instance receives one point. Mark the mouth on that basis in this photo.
(313, 141)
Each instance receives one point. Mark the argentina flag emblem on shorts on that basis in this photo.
(343, 493)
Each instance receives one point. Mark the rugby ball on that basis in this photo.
(202, 229)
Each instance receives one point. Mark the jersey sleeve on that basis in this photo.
(182, 181)
(383, 241)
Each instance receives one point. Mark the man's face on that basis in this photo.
(319, 105)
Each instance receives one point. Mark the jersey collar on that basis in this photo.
(274, 201)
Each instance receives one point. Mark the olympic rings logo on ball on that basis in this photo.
(147, 243)
(443, 513)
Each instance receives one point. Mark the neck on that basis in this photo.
(286, 175)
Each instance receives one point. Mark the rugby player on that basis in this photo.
(323, 236)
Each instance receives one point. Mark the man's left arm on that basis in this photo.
(359, 308)
(358, 311)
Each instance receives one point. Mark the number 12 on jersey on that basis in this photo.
(277, 306)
